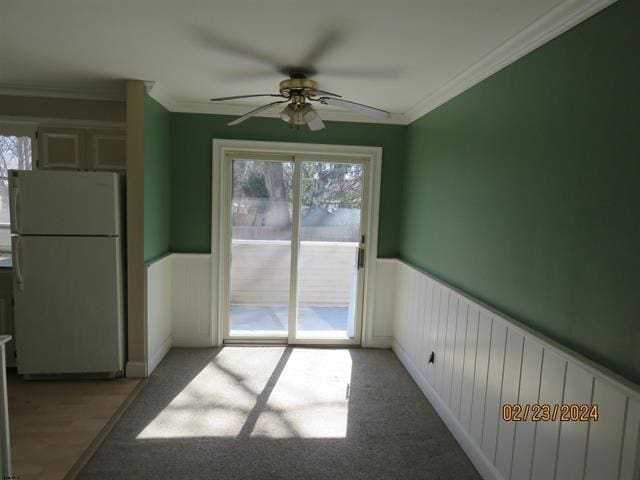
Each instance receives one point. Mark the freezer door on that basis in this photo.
(64, 203)
(68, 304)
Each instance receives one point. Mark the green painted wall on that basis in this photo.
(191, 147)
(157, 163)
(524, 191)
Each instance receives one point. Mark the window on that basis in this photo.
(16, 147)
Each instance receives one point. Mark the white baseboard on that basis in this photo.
(192, 342)
(136, 370)
(487, 470)
(379, 342)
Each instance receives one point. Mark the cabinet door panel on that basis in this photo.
(107, 150)
(61, 148)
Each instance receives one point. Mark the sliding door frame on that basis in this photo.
(221, 230)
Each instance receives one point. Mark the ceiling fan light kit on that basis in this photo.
(298, 114)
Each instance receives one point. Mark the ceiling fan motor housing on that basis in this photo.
(297, 86)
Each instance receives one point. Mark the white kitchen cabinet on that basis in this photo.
(62, 148)
(66, 148)
(107, 150)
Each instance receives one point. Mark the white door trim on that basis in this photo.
(219, 225)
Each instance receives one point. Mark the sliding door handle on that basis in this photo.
(360, 257)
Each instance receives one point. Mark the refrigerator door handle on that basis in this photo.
(19, 279)
(14, 209)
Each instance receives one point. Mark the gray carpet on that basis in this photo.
(279, 413)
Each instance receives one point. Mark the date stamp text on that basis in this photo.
(544, 412)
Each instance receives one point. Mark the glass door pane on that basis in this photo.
(330, 236)
(260, 248)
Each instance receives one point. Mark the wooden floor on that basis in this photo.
(53, 423)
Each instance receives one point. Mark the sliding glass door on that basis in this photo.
(260, 280)
(329, 240)
(296, 248)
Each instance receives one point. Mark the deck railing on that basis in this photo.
(260, 272)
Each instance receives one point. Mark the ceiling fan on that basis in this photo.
(299, 91)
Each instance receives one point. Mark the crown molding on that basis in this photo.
(555, 22)
(148, 86)
(115, 93)
(160, 95)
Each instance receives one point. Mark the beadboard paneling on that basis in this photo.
(159, 284)
(484, 359)
(509, 394)
(384, 304)
(572, 446)
(191, 300)
(605, 437)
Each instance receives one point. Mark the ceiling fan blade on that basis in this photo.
(250, 74)
(246, 96)
(315, 93)
(253, 112)
(222, 44)
(369, 73)
(326, 42)
(316, 123)
(355, 107)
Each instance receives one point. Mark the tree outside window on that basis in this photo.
(15, 154)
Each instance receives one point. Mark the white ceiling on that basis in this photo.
(415, 49)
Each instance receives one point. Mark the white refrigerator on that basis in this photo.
(67, 270)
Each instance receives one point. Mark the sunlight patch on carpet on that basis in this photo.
(265, 393)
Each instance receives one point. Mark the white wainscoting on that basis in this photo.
(483, 359)
(179, 292)
(178, 307)
(384, 304)
(159, 287)
(191, 300)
